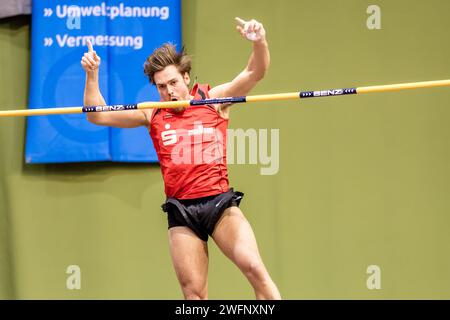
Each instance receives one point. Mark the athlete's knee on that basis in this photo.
(255, 269)
(193, 290)
(194, 293)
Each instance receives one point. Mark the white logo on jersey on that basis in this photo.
(200, 130)
(169, 136)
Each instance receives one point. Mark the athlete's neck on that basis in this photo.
(181, 109)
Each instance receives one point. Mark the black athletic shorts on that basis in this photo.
(200, 214)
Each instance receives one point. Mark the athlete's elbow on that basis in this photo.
(258, 75)
(91, 118)
(95, 119)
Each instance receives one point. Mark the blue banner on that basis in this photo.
(123, 33)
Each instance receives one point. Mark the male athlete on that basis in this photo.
(199, 202)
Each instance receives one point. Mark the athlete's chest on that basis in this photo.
(193, 126)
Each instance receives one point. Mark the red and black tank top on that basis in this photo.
(191, 148)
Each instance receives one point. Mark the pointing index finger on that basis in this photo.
(240, 21)
(89, 44)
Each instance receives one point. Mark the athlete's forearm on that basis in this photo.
(259, 60)
(93, 96)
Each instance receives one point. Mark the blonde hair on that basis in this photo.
(164, 56)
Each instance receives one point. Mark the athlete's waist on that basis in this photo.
(205, 197)
(195, 191)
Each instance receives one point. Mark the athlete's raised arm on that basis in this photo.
(93, 97)
(256, 67)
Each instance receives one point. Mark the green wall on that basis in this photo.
(363, 180)
(14, 66)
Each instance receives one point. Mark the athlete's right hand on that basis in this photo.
(90, 60)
